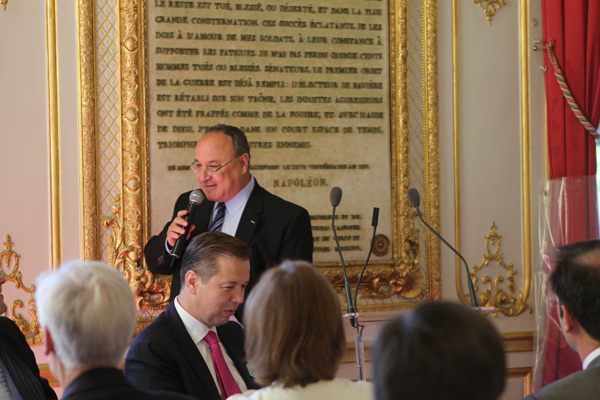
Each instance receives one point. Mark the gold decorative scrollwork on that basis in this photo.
(495, 296)
(404, 280)
(152, 293)
(4, 3)
(9, 260)
(490, 7)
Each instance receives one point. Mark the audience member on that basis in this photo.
(88, 315)
(19, 373)
(295, 337)
(273, 228)
(193, 347)
(439, 351)
(576, 283)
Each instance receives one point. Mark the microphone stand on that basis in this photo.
(474, 303)
(352, 310)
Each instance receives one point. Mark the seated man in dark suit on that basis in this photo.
(272, 227)
(19, 374)
(576, 283)
(88, 314)
(193, 347)
(439, 351)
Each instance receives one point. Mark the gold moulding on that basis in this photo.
(151, 292)
(507, 302)
(490, 7)
(9, 261)
(404, 280)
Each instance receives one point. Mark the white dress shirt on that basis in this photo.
(197, 331)
(234, 208)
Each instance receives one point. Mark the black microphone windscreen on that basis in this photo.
(375, 216)
(413, 197)
(335, 196)
(197, 196)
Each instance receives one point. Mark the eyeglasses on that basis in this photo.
(196, 168)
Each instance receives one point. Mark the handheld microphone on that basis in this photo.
(196, 198)
(415, 200)
(335, 197)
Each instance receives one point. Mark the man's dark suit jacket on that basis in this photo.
(164, 357)
(109, 383)
(581, 385)
(21, 364)
(273, 228)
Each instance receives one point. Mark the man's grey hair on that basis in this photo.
(89, 309)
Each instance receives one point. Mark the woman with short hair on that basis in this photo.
(295, 337)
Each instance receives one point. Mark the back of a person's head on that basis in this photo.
(576, 281)
(438, 351)
(89, 309)
(294, 327)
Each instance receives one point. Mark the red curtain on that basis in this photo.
(573, 26)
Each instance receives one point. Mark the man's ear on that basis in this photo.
(192, 280)
(48, 342)
(566, 317)
(244, 162)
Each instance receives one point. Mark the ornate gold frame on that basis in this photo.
(128, 218)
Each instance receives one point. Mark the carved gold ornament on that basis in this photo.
(405, 281)
(494, 295)
(4, 3)
(490, 7)
(9, 261)
(151, 292)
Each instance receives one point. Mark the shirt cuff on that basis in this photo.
(168, 248)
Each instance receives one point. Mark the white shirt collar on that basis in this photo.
(591, 357)
(196, 329)
(240, 199)
(235, 208)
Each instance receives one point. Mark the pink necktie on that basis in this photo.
(228, 384)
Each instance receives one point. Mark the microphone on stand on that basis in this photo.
(196, 198)
(374, 225)
(415, 200)
(335, 197)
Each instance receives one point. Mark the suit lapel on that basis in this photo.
(202, 217)
(236, 357)
(251, 215)
(191, 353)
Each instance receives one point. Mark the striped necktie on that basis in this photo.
(219, 218)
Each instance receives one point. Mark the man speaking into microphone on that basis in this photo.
(273, 228)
